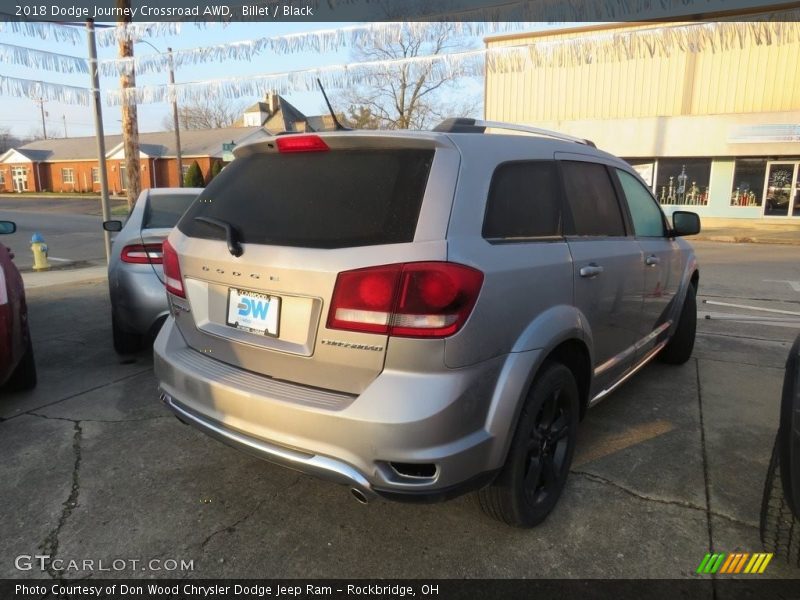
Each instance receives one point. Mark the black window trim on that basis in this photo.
(568, 218)
(560, 199)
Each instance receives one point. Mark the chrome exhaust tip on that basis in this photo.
(360, 496)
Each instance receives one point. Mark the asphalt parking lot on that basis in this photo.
(669, 468)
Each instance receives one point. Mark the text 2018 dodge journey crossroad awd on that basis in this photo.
(420, 314)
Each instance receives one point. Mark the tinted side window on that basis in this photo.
(648, 220)
(523, 201)
(592, 200)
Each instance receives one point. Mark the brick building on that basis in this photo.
(70, 164)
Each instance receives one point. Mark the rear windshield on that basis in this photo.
(164, 210)
(335, 199)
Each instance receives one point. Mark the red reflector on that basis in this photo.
(424, 299)
(301, 143)
(142, 254)
(172, 271)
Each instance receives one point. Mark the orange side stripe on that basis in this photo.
(728, 561)
(739, 567)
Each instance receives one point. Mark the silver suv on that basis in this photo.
(421, 314)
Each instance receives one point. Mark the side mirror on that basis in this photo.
(112, 226)
(685, 223)
(7, 227)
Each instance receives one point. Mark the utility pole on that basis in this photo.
(64, 118)
(98, 128)
(130, 123)
(175, 119)
(40, 102)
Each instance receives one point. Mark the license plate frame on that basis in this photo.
(240, 299)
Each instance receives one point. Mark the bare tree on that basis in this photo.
(205, 112)
(8, 140)
(361, 117)
(412, 95)
(5, 139)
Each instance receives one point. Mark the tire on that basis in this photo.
(780, 529)
(24, 376)
(679, 348)
(124, 341)
(531, 481)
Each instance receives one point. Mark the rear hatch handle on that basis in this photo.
(231, 236)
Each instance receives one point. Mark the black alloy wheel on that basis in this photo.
(531, 481)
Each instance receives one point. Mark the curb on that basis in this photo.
(68, 266)
(745, 239)
(40, 279)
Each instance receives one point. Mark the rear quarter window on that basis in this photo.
(334, 199)
(523, 202)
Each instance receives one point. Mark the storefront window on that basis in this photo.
(779, 189)
(796, 210)
(683, 181)
(748, 182)
(645, 168)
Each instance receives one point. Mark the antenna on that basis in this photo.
(339, 126)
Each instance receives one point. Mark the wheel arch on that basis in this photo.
(574, 354)
(566, 344)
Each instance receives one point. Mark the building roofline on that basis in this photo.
(692, 18)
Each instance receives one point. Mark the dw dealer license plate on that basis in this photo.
(254, 312)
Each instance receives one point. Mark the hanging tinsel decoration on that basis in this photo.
(525, 53)
(53, 92)
(41, 60)
(320, 41)
(44, 30)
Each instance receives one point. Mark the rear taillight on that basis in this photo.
(142, 254)
(172, 271)
(423, 299)
(301, 143)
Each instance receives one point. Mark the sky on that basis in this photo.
(22, 116)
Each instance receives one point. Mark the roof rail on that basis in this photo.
(464, 125)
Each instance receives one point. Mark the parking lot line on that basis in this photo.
(602, 447)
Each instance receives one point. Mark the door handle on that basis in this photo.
(652, 260)
(591, 270)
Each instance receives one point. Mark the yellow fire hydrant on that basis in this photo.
(39, 249)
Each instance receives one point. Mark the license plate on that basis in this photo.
(254, 312)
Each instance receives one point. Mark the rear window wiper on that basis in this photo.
(231, 235)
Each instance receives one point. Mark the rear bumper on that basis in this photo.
(413, 418)
(320, 466)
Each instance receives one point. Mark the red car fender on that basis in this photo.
(13, 316)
